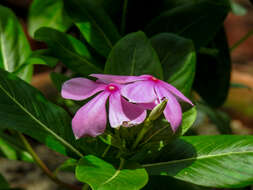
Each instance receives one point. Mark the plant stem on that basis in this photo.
(146, 127)
(43, 166)
(123, 19)
(239, 42)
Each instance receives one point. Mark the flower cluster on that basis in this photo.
(129, 98)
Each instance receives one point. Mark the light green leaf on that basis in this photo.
(14, 47)
(101, 175)
(223, 161)
(47, 13)
(26, 110)
(94, 24)
(178, 59)
(133, 55)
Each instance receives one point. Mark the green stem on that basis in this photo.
(123, 19)
(43, 166)
(144, 130)
(239, 42)
(106, 150)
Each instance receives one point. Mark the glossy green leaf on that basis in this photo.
(69, 51)
(133, 55)
(26, 110)
(197, 20)
(12, 148)
(47, 13)
(161, 135)
(101, 175)
(223, 161)
(3, 183)
(94, 24)
(213, 71)
(14, 47)
(178, 59)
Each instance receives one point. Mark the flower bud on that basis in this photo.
(158, 110)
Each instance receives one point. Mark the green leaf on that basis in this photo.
(94, 24)
(58, 79)
(223, 161)
(47, 13)
(238, 9)
(14, 47)
(68, 166)
(213, 71)
(178, 59)
(101, 175)
(169, 183)
(26, 110)
(197, 20)
(69, 50)
(13, 149)
(3, 183)
(133, 55)
(160, 135)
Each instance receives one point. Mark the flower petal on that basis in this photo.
(139, 92)
(176, 92)
(116, 78)
(80, 88)
(173, 111)
(124, 113)
(90, 120)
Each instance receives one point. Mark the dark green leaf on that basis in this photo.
(101, 175)
(134, 55)
(178, 59)
(68, 166)
(3, 183)
(14, 47)
(197, 20)
(161, 135)
(94, 24)
(169, 183)
(47, 13)
(223, 161)
(26, 110)
(212, 79)
(58, 79)
(69, 50)
(12, 148)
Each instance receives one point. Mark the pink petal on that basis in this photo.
(124, 113)
(80, 88)
(116, 78)
(90, 120)
(139, 92)
(172, 112)
(175, 91)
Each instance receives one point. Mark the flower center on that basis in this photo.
(111, 88)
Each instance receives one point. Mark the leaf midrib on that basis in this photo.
(40, 123)
(195, 158)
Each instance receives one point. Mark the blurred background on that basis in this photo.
(238, 108)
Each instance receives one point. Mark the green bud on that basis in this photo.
(158, 110)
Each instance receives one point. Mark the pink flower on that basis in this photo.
(91, 119)
(146, 89)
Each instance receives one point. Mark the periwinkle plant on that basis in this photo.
(151, 69)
